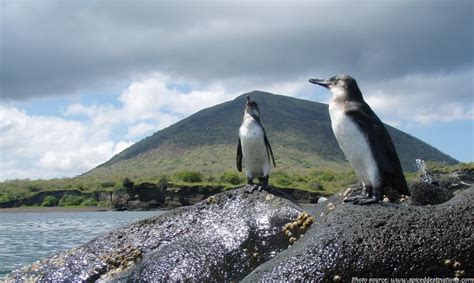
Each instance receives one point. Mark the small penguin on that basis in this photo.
(364, 140)
(253, 150)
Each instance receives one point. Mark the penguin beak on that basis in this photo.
(320, 82)
(248, 100)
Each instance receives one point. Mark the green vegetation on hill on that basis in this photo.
(17, 189)
(299, 131)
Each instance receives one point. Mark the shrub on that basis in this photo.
(107, 184)
(327, 177)
(231, 178)
(49, 201)
(189, 176)
(89, 202)
(322, 176)
(104, 203)
(127, 183)
(34, 188)
(281, 179)
(163, 182)
(211, 179)
(69, 200)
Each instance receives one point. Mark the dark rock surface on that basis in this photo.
(426, 193)
(222, 238)
(442, 188)
(382, 240)
(238, 235)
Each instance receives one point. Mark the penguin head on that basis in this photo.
(251, 107)
(341, 86)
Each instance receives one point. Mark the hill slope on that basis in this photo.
(299, 132)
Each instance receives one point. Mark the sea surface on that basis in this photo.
(30, 236)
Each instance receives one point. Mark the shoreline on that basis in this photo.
(54, 209)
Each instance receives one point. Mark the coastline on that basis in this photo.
(54, 209)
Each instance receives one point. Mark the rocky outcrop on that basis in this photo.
(383, 240)
(255, 236)
(146, 196)
(442, 187)
(150, 196)
(221, 238)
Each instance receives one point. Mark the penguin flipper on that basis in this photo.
(269, 149)
(239, 157)
(267, 143)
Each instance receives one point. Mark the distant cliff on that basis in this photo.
(148, 196)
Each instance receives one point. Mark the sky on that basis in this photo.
(82, 80)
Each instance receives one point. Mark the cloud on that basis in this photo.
(164, 61)
(77, 46)
(140, 129)
(423, 99)
(151, 103)
(47, 146)
(53, 146)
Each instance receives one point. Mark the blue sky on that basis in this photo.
(82, 80)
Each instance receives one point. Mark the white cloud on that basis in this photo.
(120, 146)
(290, 88)
(151, 101)
(54, 146)
(48, 146)
(140, 129)
(423, 100)
(152, 97)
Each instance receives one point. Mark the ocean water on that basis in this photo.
(29, 236)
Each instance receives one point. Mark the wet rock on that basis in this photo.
(423, 193)
(382, 240)
(263, 235)
(442, 188)
(221, 238)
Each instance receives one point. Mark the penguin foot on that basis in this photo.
(360, 200)
(250, 188)
(263, 183)
(262, 188)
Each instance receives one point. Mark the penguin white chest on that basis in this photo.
(355, 145)
(255, 156)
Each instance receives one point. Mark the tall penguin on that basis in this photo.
(253, 150)
(364, 140)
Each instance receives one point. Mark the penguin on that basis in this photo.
(364, 140)
(253, 149)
